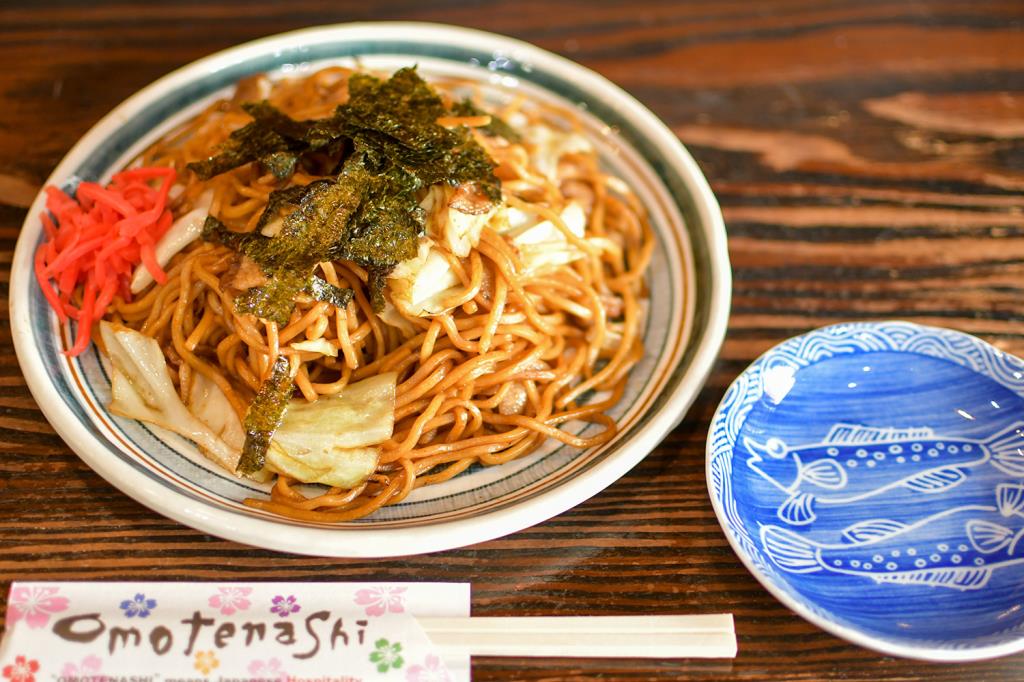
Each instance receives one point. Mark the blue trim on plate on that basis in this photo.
(127, 135)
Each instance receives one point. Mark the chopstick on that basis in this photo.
(700, 636)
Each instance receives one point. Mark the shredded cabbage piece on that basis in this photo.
(329, 441)
(548, 146)
(542, 246)
(419, 285)
(142, 389)
(209, 405)
(321, 346)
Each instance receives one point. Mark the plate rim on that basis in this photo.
(379, 542)
(850, 634)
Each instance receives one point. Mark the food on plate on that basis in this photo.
(357, 280)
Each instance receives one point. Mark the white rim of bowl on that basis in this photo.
(370, 542)
(879, 644)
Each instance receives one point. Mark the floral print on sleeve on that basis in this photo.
(138, 606)
(35, 605)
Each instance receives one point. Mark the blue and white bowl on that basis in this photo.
(871, 476)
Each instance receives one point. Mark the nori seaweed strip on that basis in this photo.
(249, 143)
(273, 138)
(278, 199)
(281, 164)
(403, 110)
(391, 122)
(322, 290)
(496, 128)
(306, 237)
(385, 227)
(272, 301)
(371, 219)
(275, 300)
(265, 415)
(306, 136)
(377, 281)
(370, 212)
(216, 232)
(394, 123)
(272, 118)
(311, 233)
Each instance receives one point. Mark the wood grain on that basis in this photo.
(869, 160)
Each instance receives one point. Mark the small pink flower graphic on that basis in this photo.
(21, 670)
(381, 600)
(35, 605)
(231, 599)
(432, 670)
(269, 669)
(206, 662)
(90, 665)
(284, 606)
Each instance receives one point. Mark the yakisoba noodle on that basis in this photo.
(486, 382)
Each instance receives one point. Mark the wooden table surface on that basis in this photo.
(869, 158)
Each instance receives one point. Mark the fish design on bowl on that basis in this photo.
(871, 476)
(853, 463)
(958, 548)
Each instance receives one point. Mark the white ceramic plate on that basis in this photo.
(689, 281)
